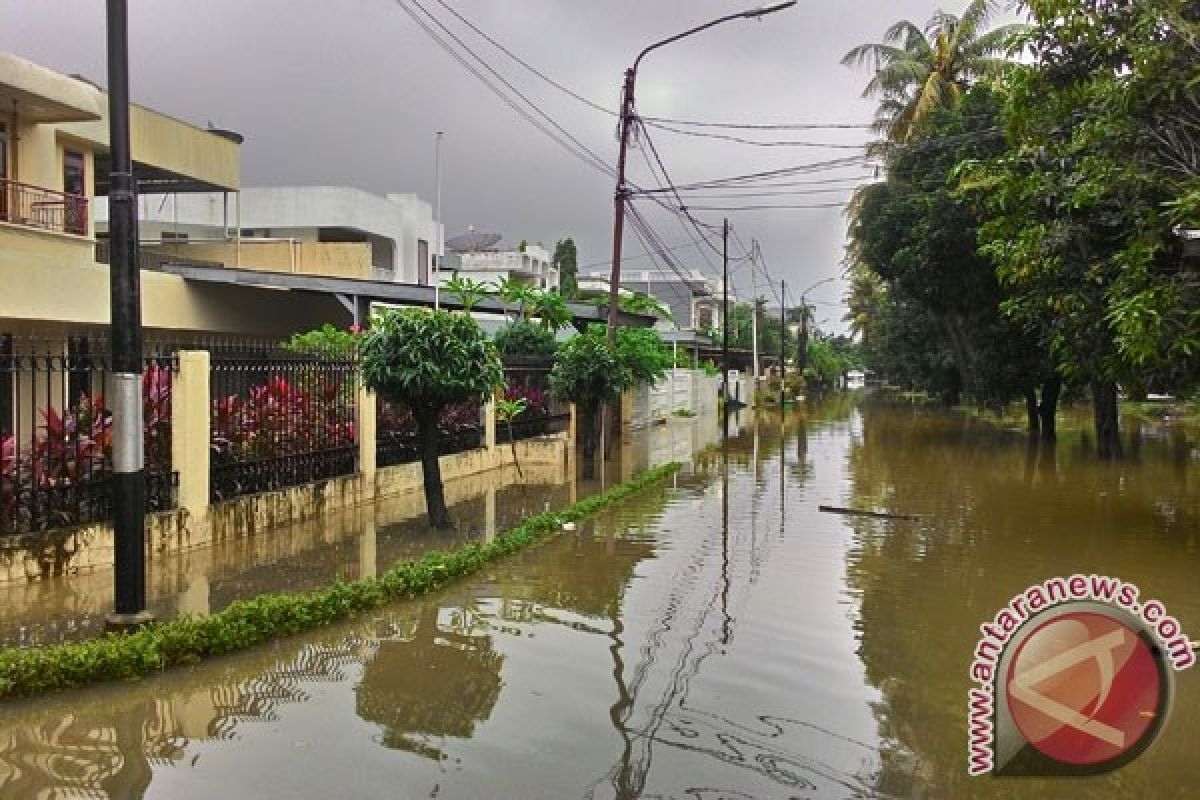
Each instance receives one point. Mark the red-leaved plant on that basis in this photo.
(72, 448)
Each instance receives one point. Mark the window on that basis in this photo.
(75, 187)
(422, 261)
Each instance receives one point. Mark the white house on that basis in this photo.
(481, 258)
(402, 235)
(694, 301)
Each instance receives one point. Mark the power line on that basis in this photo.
(490, 40)
(768, 207)
(855, 183)
(563, 138)
(782, 126)
(779, 193)
(755, 142)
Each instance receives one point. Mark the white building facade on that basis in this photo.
(403, 236)
(533, 266)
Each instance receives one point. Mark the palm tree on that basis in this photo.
(919, 70)
(862, 300)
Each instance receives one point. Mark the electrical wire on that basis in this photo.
(729, 209)
(562, 138)
(490, 40)
(754, 142)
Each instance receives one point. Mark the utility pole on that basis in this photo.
(754, 315)
(782, 341)
(725, 311)
(125, 389)
(437, 216)
(614, 283)
(627, 118)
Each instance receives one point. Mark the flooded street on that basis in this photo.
(714, 637)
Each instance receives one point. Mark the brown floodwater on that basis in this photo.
(715, 637)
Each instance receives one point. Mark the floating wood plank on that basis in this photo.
(855, 512)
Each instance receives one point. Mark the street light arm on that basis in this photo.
(818, 283)
(754, 13)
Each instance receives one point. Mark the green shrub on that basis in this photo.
(525, 338)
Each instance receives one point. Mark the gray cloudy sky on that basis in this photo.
(350, 92)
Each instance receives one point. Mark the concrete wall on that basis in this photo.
(680, 390)
(335, 259)
(90, 547)
(158, 140)
(50, 283)
(196, 523)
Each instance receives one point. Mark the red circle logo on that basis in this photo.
(1084, 688)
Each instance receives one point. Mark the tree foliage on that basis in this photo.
(1083, 204)
(919, 70)
(427, 360)
(523, 338)
(566, 261)
(918, 234)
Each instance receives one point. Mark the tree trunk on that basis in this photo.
(431, 470)
(1048, 410)
(1104, 413)
(587, 425)
(959, 351)
(1031, 412)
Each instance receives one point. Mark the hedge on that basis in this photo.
(243, 624)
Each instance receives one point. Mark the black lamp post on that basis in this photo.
(125, 390)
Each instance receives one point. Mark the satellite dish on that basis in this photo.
(473, 241)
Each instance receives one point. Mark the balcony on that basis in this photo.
(45, 209)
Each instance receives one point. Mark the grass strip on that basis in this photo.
(188, 639)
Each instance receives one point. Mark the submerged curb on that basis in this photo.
(186, 640)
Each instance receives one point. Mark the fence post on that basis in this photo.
(572, 427)
(569, 461)
(366, 440)
(489, 424)
(190, 433)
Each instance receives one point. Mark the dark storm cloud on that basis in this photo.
(350, 92)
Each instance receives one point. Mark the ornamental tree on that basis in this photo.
(589, 373)
(428, 360)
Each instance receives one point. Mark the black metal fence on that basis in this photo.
(56, 432)
(460, 428)
(528, 380)
(280, 419)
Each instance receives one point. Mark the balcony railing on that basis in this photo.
(46, 209)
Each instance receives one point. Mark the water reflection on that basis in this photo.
(998, 514)
(439, 682)
(714, 638)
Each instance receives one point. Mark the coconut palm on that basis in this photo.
(919, 70)
(862, 300)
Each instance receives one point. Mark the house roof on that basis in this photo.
(360, 294)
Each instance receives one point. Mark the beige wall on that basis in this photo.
(37, 158)
(50, 280)
(332, 259)
(161, 141)
(89, 548)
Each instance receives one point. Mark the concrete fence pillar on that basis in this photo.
(366, 440)
(489, 424)
(572, 427)
(190, 434)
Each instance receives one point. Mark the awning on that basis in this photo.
(358, 295)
